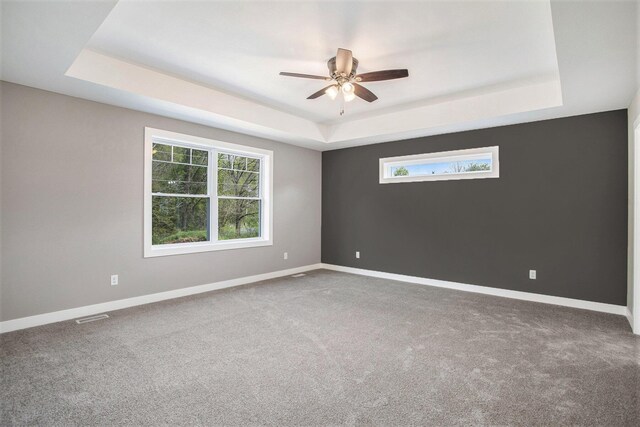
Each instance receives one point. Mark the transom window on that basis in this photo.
(203, 195)
(460, 164)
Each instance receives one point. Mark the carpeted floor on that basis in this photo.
(327, 348)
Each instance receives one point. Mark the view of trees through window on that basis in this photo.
(238, 197)
(181, 198)
(180, 195)
(439, 168)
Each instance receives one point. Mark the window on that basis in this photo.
(473, 163)
(203, 195)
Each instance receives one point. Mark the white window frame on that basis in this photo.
(152, 135)
(443, 156)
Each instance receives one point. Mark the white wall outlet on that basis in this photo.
(357, 254)
(532, 274)
(286, 255)
(114, 279)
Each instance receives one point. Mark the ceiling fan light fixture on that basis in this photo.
(332, 92)
(349, 96)
(348, 88)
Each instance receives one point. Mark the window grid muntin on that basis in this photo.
(191, 148)
(212, 188)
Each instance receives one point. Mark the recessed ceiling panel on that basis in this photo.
(450, 48)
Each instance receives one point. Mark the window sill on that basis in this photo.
(443, 177)
(190, 248)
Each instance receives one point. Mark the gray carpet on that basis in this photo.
(328, 348)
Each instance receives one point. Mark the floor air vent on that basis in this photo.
(92, 318)
(298, 275)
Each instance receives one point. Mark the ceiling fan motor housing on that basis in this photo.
(334, 73)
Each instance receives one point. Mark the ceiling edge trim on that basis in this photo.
(528, 97)
(108, 71)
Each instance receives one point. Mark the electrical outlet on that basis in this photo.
(114, 279)
(532, 274)
(286, 255)
(357, 254)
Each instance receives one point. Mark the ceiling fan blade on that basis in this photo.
(344, 61)
(319, 93)
(304, 76)
(364, 93)
(376, 76)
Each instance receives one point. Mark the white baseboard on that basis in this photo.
(73, 313)
(630, 319)
(526, 296)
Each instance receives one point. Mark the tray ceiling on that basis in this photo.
(471, 64)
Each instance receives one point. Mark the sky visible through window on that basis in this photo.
(440, 168)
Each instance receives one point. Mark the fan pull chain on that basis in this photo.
(342, 107)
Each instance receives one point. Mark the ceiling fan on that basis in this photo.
(342, 74)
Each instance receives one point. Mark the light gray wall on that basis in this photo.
(72, 197)
(633, 115)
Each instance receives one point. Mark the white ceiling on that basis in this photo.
(238, 47)
(471, 64)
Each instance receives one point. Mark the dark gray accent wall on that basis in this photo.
(559, 207)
